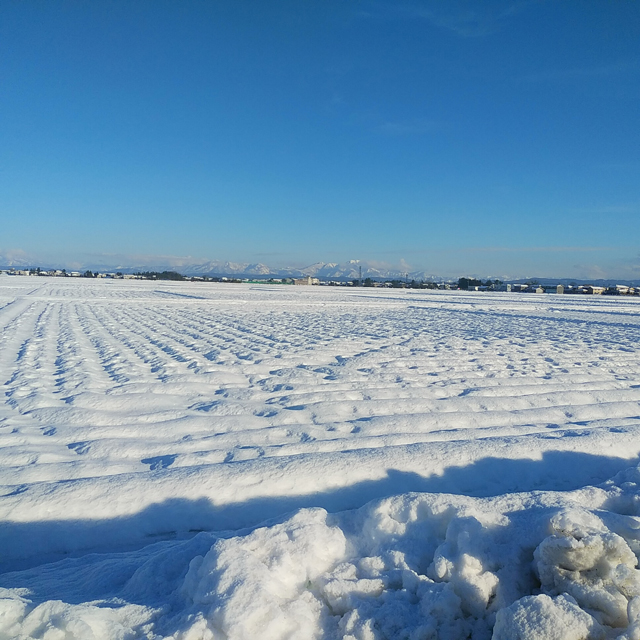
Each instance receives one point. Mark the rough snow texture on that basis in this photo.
(197, 461)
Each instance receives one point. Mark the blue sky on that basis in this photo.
(488, 138)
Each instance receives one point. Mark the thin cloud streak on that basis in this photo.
(462, 250)
(409, 127)
(465, 19)
(600, 71)
(617, 209)
(538, 249)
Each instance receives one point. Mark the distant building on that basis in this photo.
(540, 290)
(560, 288)
(590, 289)
(308, 281)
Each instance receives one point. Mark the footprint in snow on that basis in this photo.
(17, 491)
(204, 406)
(266, 414)
(159, 462)
(79, 447)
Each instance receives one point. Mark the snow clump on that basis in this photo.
(417, 566)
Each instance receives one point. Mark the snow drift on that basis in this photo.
(222, 462)
(415, 566)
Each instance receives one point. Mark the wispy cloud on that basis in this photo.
(620, 166)
(16, 254)
(622, 67)
(514, 249)
(608, 209)
(142, 259)
(115, 260)
(459, 250)
(592, 271)
(410, 127)
(465, 18)
(623, 270)
(629, 268)
(16, 257)
(536, 249)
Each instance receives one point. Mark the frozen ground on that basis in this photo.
(198, 461)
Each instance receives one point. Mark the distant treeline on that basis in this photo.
(396, 284)
(463, 283)
(174, 275)
(161, 275)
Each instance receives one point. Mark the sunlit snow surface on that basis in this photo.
(239, 462)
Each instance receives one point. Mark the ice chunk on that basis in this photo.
(633, 630)
(456, 561)
(13, 609)
(596, 567)
(56, 620)
(261, 585)
(545, 618)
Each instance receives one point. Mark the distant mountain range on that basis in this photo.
(349, 270)
(325, 270)
(17, 261)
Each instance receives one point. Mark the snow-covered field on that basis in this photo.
(238, 462)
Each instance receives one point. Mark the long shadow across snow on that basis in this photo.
(29, 544)
(153, 574)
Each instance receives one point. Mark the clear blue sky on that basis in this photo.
(461, 137)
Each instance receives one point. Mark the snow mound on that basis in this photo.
(593, 565)
(56, 620)
(544, 618)
(259, 585)
(410, 567)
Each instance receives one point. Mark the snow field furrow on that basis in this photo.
(136, 414)
(368, 401)
(136, 364)
(167, 344)
(26, 378)
(94, 357)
